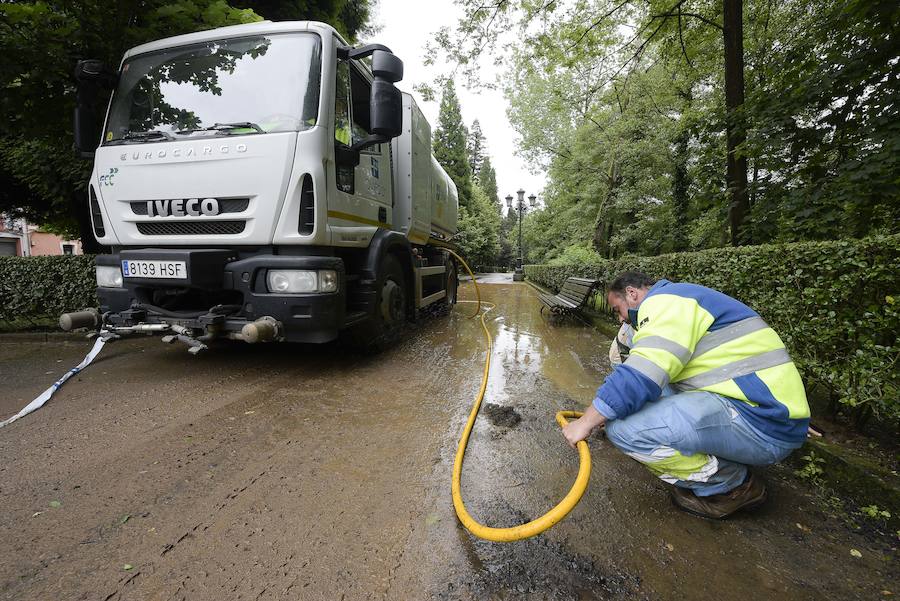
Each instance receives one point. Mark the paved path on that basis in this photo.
(286, 472)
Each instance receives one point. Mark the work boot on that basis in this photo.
(749, 494)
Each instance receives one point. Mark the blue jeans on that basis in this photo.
(695, 440)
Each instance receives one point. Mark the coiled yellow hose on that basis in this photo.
(534, 527)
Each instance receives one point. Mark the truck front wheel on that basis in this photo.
(451, 284)
(385, 325)
(392, 296)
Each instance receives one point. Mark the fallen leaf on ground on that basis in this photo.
(855, 553)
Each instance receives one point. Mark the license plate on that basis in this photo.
(169, 270)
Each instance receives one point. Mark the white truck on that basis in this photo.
(262, 182)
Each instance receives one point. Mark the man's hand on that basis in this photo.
(582, 427)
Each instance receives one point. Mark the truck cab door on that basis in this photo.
(362, 198)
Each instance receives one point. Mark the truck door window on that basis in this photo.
(352, 94)
(360, 91)
(342, 118)
(346, 180)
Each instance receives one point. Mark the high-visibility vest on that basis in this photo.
(696, 338)
(342, 132)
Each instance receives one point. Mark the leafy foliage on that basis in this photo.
(625, 108)
(835, 304)
(487, 181)
(459, 152)
(479, 230)
(349, 17)
(477, 149)
(450, 145)
(826, 147)
(39, 288)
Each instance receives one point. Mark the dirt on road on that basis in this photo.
(298, 472)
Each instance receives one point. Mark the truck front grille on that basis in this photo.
(191, 228)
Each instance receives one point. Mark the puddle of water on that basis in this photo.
(572, 355)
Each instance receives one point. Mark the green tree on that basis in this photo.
(653, 144)
(450, 145)
(349, 17)
(826, 155)
(479, 230)
(477, 149)
(487, 181)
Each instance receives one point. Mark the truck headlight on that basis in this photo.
(295, 281)
(109, 277)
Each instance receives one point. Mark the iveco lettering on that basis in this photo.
(311, 211)
(179, 208)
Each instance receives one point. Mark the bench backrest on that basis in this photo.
(577, 290)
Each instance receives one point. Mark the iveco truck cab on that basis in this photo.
(262, 182)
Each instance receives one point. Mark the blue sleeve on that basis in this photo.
(624, 391)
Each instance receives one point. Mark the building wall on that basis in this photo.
(39, 243)
(43, 244)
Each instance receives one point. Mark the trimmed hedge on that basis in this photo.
(36, 289)
(835, 304)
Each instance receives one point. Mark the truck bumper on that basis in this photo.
(236, 279)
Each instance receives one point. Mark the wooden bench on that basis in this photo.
(571, 298)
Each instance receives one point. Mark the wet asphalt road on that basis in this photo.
(285, 472)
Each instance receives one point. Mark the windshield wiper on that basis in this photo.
(226, 128)
(154, 134)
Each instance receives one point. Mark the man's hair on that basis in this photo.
(635, 279)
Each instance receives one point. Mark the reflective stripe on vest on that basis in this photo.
(735, 369)
(728, 333)
(659, 342)
(648, 368)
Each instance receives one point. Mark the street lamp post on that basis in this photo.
(521, 207)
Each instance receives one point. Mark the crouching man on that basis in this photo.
(708, 389)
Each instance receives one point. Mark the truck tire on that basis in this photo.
(391, 310)
(386, 324)
(452, 284)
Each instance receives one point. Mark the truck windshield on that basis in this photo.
(250, 85)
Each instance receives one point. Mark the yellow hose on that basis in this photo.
(534, 527)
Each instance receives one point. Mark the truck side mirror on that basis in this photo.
(386, 109)
(386, 104)
(92, 76)
(386, 65)
(87, 133)
(385, 100)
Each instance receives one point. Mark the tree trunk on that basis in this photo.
(736, 166)
(603, 225)
(680, 186)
